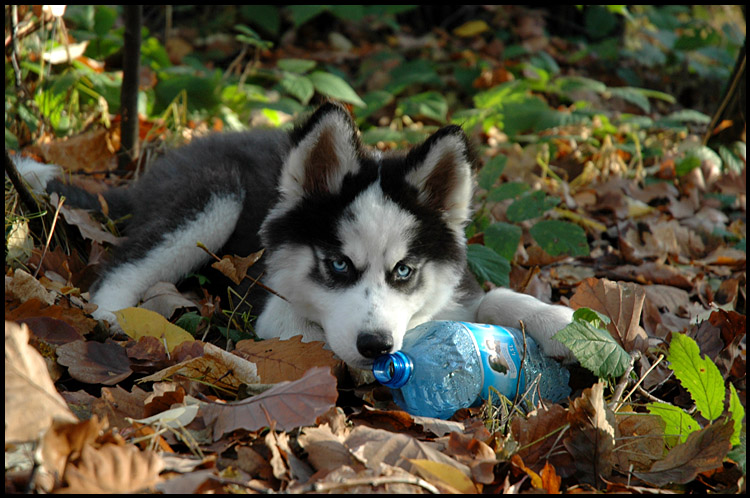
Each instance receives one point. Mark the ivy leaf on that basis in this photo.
(698, 375)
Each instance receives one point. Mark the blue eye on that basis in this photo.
(402, 271)
(339, 265)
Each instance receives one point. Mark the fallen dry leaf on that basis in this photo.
(621, 302)
(703, 450)
(591, 439)
(28, 389)
(113, 469)
(95, 362)
(288, 404)
(279, 360)
(139, 322)
(216, 367)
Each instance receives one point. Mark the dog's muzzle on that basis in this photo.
(374, 343)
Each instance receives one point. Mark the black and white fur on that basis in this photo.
(363, 245)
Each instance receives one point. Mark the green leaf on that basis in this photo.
(303, 13)
(488, 265)
(688, 116)
(678, 424)
(507, 190)
(595, 318)
(491, 171)
(699, 376)
(732, 161)
(332, 86)
(532, 205)
(299, 87)
(560, 237)
(594, 348)
(632, 95)
(503, 238)
(299, 66)
(431, 105)
(686, 165)
(738, 413)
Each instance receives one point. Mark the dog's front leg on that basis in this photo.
(541, 321)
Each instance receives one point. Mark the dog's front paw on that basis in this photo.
(541, 321)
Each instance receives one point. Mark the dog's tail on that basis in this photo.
(48, 178)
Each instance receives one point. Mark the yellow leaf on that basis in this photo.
(444, 473)
(140, 322)
(471, 28)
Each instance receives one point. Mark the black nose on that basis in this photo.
(374, 343)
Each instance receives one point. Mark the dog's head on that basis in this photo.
(368, 245)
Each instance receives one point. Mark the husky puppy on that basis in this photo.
(361, 245)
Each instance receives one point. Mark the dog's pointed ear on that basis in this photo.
(440, 169)
(324, 150)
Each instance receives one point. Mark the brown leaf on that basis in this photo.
(621, 302)
(703, 450)
(113, 469)
(72, 316)
(538, 437)
(90, 151)
(285, 464)
(591, 437)
(95, 363)
(28, 389)
(279, 360)
(65, 441)
(653, 273)
(290, 404)
(165, 299)
(216, 367)
(235, 267)
(25, 287)
(640, 441)
(89, 227)
(326, 450)
(476, 454)
(374, 447)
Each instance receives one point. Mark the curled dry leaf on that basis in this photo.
(28, 389)
(235, 267)
(216, 367)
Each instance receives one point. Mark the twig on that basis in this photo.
(637, 384)
(49, 235)
(624, 378)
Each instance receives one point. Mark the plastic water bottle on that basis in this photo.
(443, 366)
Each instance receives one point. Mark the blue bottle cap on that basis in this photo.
(393, 370)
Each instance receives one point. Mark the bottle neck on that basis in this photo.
(393, 370)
